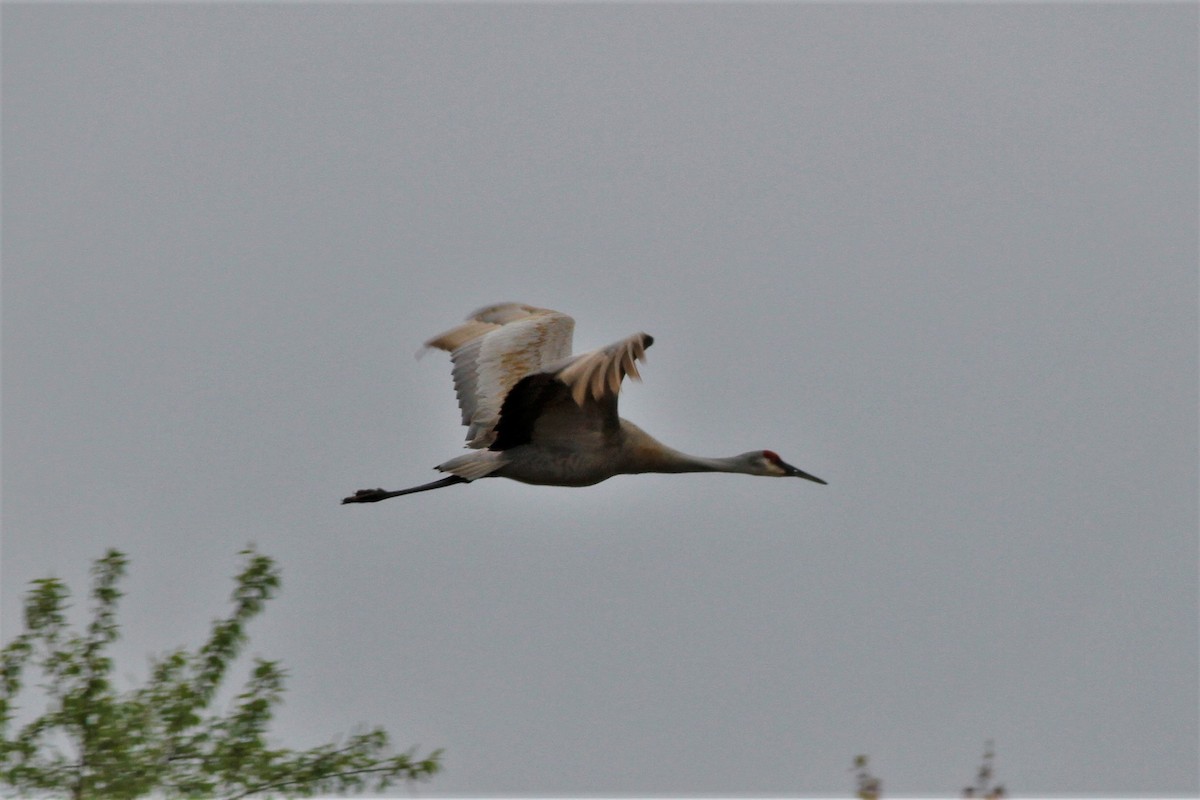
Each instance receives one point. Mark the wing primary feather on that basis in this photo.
(492, 351)
(598, 373)
(500, 348)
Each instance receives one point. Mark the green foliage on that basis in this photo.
(868, 786)
(871, 788)
(161, 738)
(985, 787)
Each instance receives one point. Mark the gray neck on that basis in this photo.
(668, 460)
(646, 454)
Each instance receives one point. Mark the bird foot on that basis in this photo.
(366, 496)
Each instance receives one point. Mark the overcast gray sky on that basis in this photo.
(943, 256)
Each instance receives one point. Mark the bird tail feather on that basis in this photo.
(474, 465)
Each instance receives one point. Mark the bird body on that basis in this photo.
(626, 451)
(537, 414)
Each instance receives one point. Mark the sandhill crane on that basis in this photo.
(535, 413)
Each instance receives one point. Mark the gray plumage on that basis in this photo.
(536, 414)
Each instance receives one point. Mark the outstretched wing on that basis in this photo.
(492, 351)
(597, 374)
(573, 401)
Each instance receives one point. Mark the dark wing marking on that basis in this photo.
(571, 403)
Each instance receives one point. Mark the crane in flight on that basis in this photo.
(537, 414)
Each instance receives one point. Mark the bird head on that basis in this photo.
(768, 462)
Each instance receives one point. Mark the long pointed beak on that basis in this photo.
(799, 473)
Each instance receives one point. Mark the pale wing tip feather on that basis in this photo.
(631, 366)
(600, 372)
(639, 354)
(616, 369)
(579, 391)
(483, 321)
(504, 313)
(455, 338)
